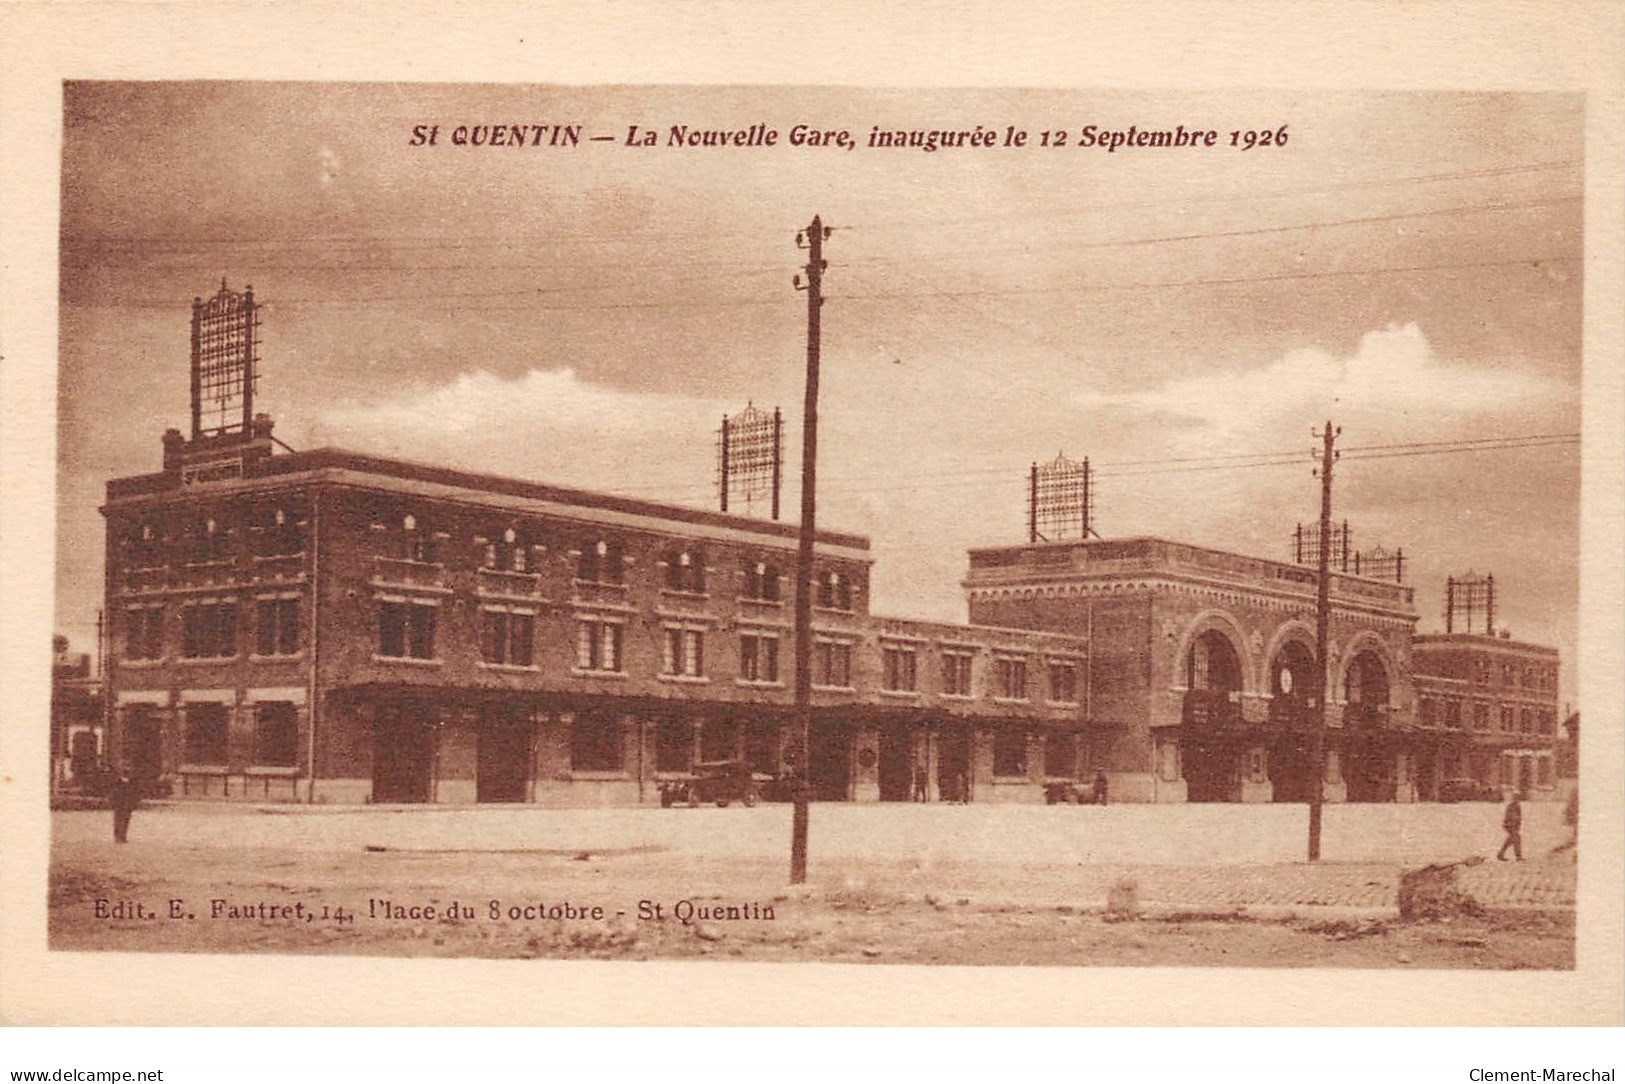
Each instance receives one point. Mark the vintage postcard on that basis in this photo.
(852, 530)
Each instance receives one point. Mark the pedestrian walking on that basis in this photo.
(1100, 787)
(1512, 821)
(123, 795)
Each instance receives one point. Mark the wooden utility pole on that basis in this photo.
(1323, 615)
(813, 239)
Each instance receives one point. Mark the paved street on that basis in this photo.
(1219, 857)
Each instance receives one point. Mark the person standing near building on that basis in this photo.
(1100, 787)
(123, 794)
(1512, 821)
(921, 789)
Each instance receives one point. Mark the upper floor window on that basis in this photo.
(1430, 711)
(685, 571)
(209, 630)
(277, 626)
(1063, 682)
(601, 561)
(832, 664)
(506, 637)
(900, 669)
(956, 673)
(1452, 714)
(598, 645)
(208, 541)
(1481, 716)
(418, 543)
(144, 632)
(758, 657)
(684, 653)
(278, 533)
(762, 581)
(835, 591)
(1525, 721)
(1509, 674)
(406, 629)
(145, 547)
(505, 551)
(1010, 677)
(1508, 719)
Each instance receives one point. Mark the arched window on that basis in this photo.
(685, 571)
(417, 540)
(761, 581)
(505, 550)
(601, 561)
(835, 591)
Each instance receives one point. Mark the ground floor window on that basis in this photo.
(206, 734)
(674, 745)
(1009, 752)
(1543, 771)
(1061, 755)
(276, 734)
(595, 744)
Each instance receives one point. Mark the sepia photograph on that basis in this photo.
(809, 524)
(1088, 515)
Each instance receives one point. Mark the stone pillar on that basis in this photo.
(866, 769)
(1335, 789)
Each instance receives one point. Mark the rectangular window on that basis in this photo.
(1011, 678)
(1009, 752)
(759, 657)
(1525, 723)
(674, 745)
(1063, 683)
(956, 673)
(1508, 721)
(1543, 771)
(144, 633)
(901, 672)
(1430, 711)
(598, 646)
(832, 664)
(1452, 714)
(506, 637)
(595, 743)
(684, 653)
(206, 734)
(277, 626)
(1481, 716)
(276, 734)
(1548, 722)
(1061, 755)
(209, 630)
(406, 630)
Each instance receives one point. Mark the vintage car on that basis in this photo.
(1072, 792)
(1468, 790)
(719, 781)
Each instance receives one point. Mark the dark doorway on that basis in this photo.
(1212, 773)
(1291, 773)
(143, 745)
(503, 767)
(1368, 771)
(896, 765)
(953, 764)
(829, 761)
(402, 754)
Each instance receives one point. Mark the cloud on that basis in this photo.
(549, 425)
(1393, 384)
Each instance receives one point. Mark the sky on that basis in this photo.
(1405, 265)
